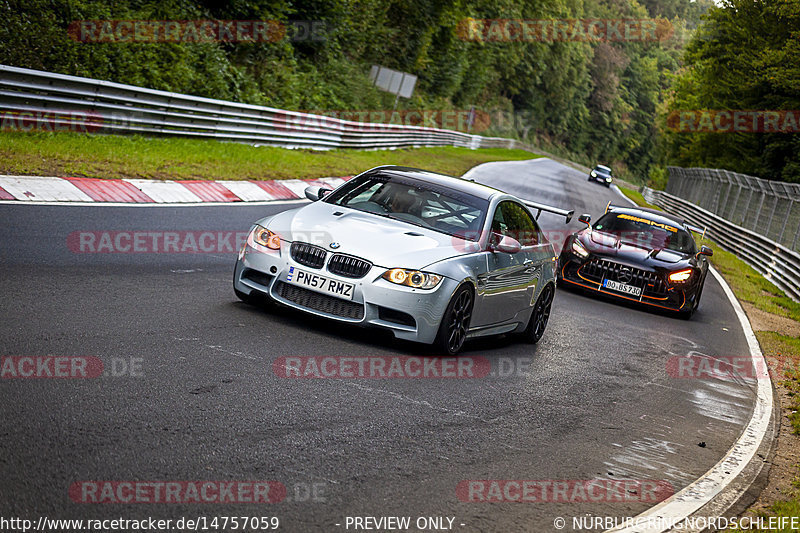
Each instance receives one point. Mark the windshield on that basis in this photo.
(416, 202)
(646, 233)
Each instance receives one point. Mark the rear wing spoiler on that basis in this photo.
(696, 229)
(550, 209)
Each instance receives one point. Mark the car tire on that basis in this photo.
(455, 322)
(540, 315)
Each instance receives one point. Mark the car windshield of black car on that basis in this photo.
(646, 233)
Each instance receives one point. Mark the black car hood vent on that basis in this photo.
(667, 256)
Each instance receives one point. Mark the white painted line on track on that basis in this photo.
(467, 175)
(618, 191)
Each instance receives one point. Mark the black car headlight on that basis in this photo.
(680, 276)
(412, 278)
(579, 249)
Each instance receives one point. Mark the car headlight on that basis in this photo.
(681, 275)
(412, 278)
(264, 237)
(608, 178)
(593, 174)
(579, 250)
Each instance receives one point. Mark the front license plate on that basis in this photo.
(622, 287)
(319, 283)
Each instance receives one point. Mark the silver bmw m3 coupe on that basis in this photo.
(432, 258)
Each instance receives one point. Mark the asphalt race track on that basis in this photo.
(592, 400)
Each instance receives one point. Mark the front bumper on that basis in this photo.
(410, 314)
(657, 292)
(600, 179)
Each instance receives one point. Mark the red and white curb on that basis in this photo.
(142, 191)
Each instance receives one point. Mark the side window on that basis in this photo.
(513, 220)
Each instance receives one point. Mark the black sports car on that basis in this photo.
(602, 174)
(640, 255)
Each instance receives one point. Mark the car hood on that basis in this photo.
(384, 242)
(608, 245)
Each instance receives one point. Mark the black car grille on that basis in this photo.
(320, 302)
(599, 269)
(308, 254)
(348, 266)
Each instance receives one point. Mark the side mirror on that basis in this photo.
(705, 250)
(504, 244)
(586, 219)
(315, 192)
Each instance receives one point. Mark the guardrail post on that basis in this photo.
(685, 185)
(711, 190)
(699, 192)
(736, 200)
(758, 212)
(771, 216)
(786, 219)
(747, 207)
(697, 187)
(724, 205)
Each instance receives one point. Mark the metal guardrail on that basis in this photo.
(776, 262)
(108, 107)
(769, 208)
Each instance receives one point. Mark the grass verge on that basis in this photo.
(116, 156)
(782, 351)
